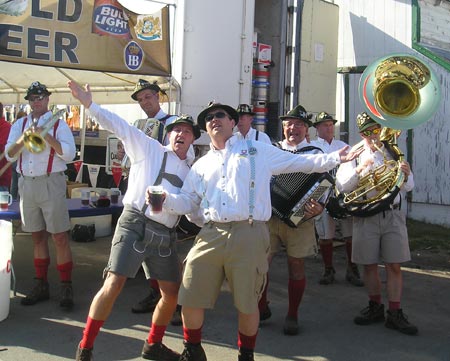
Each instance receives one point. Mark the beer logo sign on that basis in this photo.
(148, 27)
(133, 55)
(108, 19)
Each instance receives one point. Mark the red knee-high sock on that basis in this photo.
(156, 333)
(90, 332)
(262, 304)
(65, 271)
(394, 305)
(247, 342)
(375, 298)
(296, 288)
(327, 254)
(154, 284)
(348, 250)
(41, 267)
(192, 336)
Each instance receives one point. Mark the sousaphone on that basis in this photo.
(399, 92)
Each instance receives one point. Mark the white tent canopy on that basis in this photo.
(108, 88)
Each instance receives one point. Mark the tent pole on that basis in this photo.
(82, 141)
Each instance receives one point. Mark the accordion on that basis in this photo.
(289, 192)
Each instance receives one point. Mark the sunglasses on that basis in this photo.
(40, 97)
(368, 133)
(218, 115)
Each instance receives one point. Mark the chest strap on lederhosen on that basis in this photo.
(171, 178)
(52, 151)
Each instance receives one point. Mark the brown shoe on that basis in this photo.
(66, 300)
(148, 304)
(158, 351)
(328, 276)
(40, 292)
(352, 275)
(290, 326)
(83, 354)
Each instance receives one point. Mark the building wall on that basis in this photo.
(371, 29)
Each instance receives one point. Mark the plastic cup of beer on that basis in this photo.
(5, 200)
(85, 197)
(155, 198)
(115, 194)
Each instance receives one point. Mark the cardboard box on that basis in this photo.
(72, 185)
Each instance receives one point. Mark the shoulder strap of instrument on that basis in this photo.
(162, 128)
(257, 134)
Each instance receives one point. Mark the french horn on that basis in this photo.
(399, 92)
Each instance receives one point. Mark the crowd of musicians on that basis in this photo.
(226, 192)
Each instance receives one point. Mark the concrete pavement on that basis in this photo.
(45, 333)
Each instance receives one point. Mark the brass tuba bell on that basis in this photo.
(399, 91)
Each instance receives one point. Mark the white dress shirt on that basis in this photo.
(251, 134)
(219, 182)
(146, 155)
(35, 164)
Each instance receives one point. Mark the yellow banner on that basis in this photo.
(94, 35)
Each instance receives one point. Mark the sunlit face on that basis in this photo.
(371, 136)
(294, 131)
(325, 130)
(181, 137)
(219, 123)
(38, 104)
(148, 99)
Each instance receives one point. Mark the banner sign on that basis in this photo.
(98, 35)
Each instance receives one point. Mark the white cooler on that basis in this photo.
(6, 246)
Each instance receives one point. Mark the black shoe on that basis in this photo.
(158, 352)
(40, 292)
(66, 300)
(176, 317)
(245, 355)
(371, 314)
(148, 304)
(290, 326)
(352, 275)
(398, 321)
(193, 352)
(328, 276)
(265, 314)
(84, 354)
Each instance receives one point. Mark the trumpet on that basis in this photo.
(33, 140)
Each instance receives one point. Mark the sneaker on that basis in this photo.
(265, 314)
(245, 355)
(148, 304)
(176, 317)
(40, 292)
(328, 276)
(84, 354)
(158, 351)
(398, 321)
(193, 352)
(66, 300)
(371, 314)
(352, 275)
(290, 326)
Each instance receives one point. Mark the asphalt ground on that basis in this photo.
(44, 332)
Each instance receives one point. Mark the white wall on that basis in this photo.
(371, 29)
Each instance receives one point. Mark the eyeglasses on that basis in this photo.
(374, 131)
(218, 115)
(39, 97)
(296, 125)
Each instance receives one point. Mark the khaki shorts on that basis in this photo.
(43, 203)
(300, 242)
(382, 237)
(235, 251)
(328, 228)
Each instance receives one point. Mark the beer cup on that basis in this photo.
(5, 200)
(155, 198)
(85, 197)
(115, 193)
